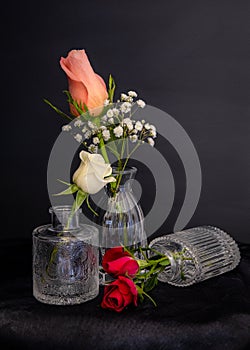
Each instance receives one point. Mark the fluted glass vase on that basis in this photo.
(120, 217)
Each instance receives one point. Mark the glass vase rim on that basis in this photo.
(62, 208)
(127, 170)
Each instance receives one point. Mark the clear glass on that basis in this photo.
(65, 259)
(206, 251)
(120, 217)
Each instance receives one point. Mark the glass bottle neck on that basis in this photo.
(62, 218)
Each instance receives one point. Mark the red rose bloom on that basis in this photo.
(117, 262)
(119, 294)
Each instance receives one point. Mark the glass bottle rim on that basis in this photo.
(62, 208)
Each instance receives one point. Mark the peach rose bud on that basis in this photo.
(85, 86)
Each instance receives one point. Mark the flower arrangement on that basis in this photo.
(133, 277)
(101, 126)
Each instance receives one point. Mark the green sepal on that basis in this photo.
(57, 110)
(112, 87)
(71, 189)
(150, 283)
(64, 182)
(80, 198)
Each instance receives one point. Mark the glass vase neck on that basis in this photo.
(123, 176)
(62, 218)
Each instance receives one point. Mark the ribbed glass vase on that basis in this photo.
(196, 254)
(120, 217)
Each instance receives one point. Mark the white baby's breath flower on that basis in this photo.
(78, 123)
(130, 126)
(78, 137)
(124, 97)
(87, 134)
(128, 122)
(147, 126)
(96, 140)
(110, 113)
(132, 94)
(115, 112)
(92, 148)
(66, 128)
(118, 131)
(106, 135)
(138, 125)
(104, 118)
(152, 133)
(106, 103)
(111, 120)
(103, 127)
(133, 138)
(152, 127)
(141, 103)
(91, 125)
(126, 107)
(150, 141)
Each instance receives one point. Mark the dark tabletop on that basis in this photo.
(214, 314)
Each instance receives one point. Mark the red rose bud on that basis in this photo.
(118, 262)
(119, 294)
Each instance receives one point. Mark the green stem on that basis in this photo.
(124, 166)
(103, 150)
(151, 299)
(89, 206)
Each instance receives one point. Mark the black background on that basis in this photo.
(188, 58)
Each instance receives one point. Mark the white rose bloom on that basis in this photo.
(93, 173)
(118, 131)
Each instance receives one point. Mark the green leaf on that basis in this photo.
(71, 189)
(150, 283)
(57, 110)
(164, 262)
